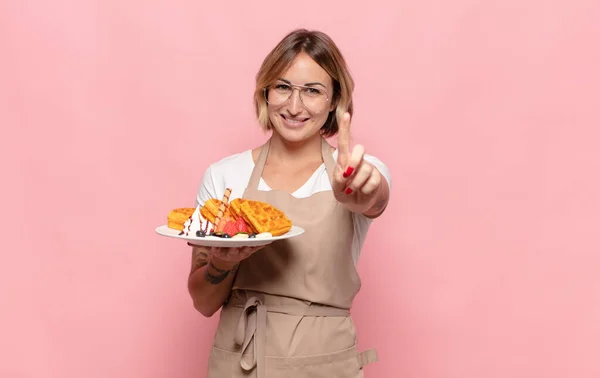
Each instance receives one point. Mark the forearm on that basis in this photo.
(210, 281)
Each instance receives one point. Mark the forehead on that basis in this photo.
(305, 70)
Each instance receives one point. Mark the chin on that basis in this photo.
(296, 136)
(292, 136)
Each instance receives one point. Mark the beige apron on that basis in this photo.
(288, 313)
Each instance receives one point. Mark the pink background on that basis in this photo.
(485, 264)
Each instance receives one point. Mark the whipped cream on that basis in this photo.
(196, 222)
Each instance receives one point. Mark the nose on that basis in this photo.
(295, 106)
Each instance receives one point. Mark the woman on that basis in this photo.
(285, 307)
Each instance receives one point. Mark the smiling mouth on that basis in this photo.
(294, 121)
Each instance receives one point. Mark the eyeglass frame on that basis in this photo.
(265, 89)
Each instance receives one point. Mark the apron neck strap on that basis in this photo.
(258, 167)
(262, 159)
(327, 159)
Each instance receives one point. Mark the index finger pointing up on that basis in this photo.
(343, 141)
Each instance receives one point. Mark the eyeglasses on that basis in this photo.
(315, 99)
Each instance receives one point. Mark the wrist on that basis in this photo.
(222, 264)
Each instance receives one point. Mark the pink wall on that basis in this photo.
(485, 265)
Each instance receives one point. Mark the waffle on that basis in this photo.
(235, 205)
(177, 217)
(263, 217)
(210, 210)
(236, 212)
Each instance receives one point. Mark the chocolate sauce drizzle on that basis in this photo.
(189, 226)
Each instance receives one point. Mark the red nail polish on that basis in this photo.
(348, 191)
(348, 172)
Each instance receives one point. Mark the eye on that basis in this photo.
(314, 92)
(282, 87)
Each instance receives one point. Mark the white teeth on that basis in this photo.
(297, 121)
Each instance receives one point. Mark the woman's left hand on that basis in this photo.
(356, 183)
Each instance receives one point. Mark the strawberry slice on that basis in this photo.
(222, 224)
(230, 228)
(241, 225)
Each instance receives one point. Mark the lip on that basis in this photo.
(293, 124)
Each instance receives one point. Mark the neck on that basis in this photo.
(284, 150)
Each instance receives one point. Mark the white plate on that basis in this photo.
(213, 241)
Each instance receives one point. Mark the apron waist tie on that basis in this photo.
(252, 328)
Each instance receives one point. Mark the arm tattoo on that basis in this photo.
(200, 260)
(220, 276)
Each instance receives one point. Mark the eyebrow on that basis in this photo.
(306, 85)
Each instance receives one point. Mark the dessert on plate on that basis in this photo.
(240, 218)
(177, 217)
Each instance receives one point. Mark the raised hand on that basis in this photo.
(355, 182)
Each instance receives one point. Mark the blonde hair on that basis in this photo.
(321, 48)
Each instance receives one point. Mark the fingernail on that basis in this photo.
(348, 172)
(348, 191)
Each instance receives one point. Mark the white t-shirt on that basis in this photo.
(234, 172)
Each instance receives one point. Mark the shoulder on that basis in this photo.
(232, 162)
(231, 171)
(231, 166)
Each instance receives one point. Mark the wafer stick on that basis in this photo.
(224, 204)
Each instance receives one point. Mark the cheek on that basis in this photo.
(321, 118)
(272, 113)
